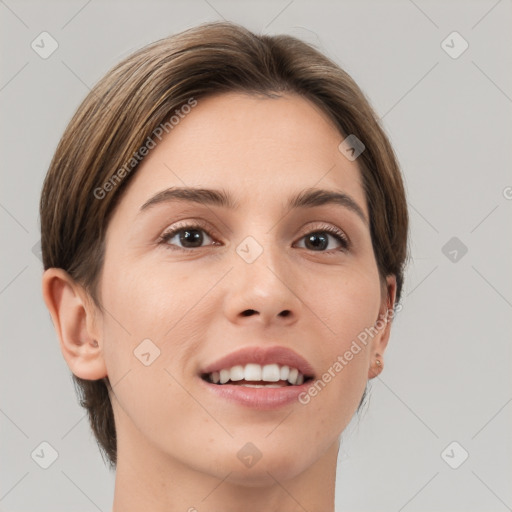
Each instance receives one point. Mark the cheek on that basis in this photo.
(346, 303)
(143, 329)
(153, 310)
(348, 307)
(144, 302)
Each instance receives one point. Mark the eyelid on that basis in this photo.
(333, 230)
(212, 233)
(190, 224)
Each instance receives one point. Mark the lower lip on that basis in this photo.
(257, 398)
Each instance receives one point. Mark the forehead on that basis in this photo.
(262, 150)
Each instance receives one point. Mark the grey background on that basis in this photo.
(448, 365)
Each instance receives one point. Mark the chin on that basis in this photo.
(263, 474)
(252, 468)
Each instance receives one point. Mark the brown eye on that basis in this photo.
(185, 237)
(318, 240)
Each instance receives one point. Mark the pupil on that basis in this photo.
(191, 236)
(314, 238)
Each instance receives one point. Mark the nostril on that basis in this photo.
(248, 312)
(286, 312)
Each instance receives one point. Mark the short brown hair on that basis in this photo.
(144, 91)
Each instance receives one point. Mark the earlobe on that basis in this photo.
(376, 367)
(74, 322)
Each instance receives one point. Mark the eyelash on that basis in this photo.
(166, 236)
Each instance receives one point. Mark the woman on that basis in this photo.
(224, 234)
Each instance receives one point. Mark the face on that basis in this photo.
(196, 290)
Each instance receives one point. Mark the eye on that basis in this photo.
(190, 236)
(318, 240)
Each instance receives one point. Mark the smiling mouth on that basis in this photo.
(257, 376)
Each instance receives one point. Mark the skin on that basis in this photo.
(177, 448)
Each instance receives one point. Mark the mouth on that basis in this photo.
(259, 378)
(253, 375)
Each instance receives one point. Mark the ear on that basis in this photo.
(382, 327)
(74, 319)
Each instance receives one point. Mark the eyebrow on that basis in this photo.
(308, 198)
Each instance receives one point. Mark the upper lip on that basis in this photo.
(259, 355)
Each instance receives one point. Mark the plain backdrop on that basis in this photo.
(446, 390)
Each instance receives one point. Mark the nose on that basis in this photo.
(262, 291)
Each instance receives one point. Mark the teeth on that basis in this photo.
(270, 373)
(237, 373)
(292, 377)
(254, 372)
